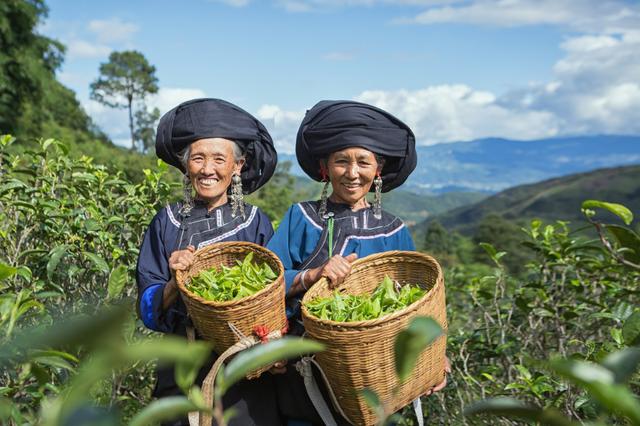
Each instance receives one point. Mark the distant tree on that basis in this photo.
(437, 239)
(145, 127)
(28, 60)
(127, 78)
(274, 199)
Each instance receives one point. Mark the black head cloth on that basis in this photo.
(214, 118)
(331, 126)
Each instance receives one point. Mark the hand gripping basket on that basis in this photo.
(215, 321)
(360, 354)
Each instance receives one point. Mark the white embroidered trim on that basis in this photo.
(171, 217)
(234, 231)
(367, 237)
(308, 217)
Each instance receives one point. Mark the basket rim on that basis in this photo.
(387, 318)
(224, 246)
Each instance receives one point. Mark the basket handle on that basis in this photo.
(202, 418)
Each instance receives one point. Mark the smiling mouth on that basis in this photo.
(207, 181)
(351, 186)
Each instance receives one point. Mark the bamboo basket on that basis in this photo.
(360, 354)
(213, 320)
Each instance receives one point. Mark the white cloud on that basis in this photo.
(605, 16)
(114, 121)
(83, 49)
(169, 97)
(282, 125)
(112, 30)
(596, 87)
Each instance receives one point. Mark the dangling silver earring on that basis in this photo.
(187, 195)
(377, 197)
(237, 197)
(323, 199)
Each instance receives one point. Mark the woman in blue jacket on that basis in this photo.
(224, 152)
(354, 148)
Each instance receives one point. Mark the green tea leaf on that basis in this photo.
(97, 261)
(54, 258)
(623, 363)
(6, 271)
(627, 239)
(618, 209)
(631, 329)
(512, 408)
(117, 281)
(266, 354)
(422, 331)
(167, 408)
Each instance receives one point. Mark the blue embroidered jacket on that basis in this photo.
(169, 231)
(301, 240)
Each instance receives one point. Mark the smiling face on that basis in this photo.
(211, 165)
(351, 172)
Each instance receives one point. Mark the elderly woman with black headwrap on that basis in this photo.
(224, 152)
(354, 148)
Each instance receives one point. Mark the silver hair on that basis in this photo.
(184, 155)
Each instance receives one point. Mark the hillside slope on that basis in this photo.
(553, 199)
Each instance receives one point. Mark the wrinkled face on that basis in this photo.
(211, 165)
(351, 172)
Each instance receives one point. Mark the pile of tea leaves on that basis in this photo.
(232, 283)
(388, 297)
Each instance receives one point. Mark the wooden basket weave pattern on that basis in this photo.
(360, 354)
(211, 319)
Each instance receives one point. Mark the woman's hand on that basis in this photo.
(335, 270)
(441, 385)
(179, 260)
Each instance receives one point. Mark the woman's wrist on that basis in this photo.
(169, 293)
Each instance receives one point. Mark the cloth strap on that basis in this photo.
(304, 367)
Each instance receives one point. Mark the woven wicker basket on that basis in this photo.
(213, 319)
(360, 354)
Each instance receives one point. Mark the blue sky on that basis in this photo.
(454, 70)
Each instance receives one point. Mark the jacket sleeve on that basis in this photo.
(152, 274)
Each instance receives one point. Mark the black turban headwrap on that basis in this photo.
(214, 118)
(332, 126)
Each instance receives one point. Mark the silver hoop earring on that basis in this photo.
(237, 197)
(377, 197)
(187, 196)
(322, 211)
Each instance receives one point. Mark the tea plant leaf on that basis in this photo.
(97, 261)
(623, 363)
(631, 330)
(512, 408)
(6, 271)
(117, 281)
(54, 258)
(422, 331)
(600, 383)
(267, 354)
(373, 401)
(618, 209)
(627, 239)
(164, 409)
